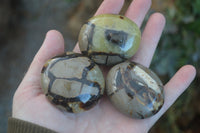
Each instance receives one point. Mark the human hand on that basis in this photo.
(30, 104)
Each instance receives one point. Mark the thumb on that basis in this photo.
(53, 45)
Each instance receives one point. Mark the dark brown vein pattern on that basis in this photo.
(84, 100)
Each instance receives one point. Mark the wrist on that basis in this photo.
(20, 126)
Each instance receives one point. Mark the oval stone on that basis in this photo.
(134, 90)
(73, 82)
(109, 39)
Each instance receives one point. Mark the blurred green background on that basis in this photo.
(23, 25)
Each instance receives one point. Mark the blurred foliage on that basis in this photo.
(180, 43)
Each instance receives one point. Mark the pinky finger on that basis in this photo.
(173, 89)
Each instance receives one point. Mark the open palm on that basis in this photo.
(30, 104)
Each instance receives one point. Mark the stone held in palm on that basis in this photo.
(134, 90)
(72, 82)
(109, 39)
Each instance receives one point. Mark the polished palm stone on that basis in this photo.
(73, 82)
(109, 39)
(134, 90)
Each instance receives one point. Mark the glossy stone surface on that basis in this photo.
(109, 39)
(73, 82)
(134, 90)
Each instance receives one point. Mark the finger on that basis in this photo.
(76, 49)
(107, 6)
(110, 6)
(150, 38)
(137, 10)
(53, 45)
(173, 89)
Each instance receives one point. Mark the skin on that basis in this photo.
(30, 104)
